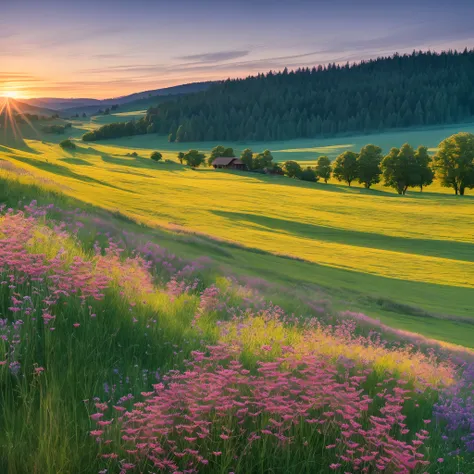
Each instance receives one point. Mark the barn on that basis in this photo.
(228, 163)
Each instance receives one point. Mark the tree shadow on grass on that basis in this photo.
(437, 195)
(13, 146)
(140, 162)
(76, 161)
(341, 188)
(87, 151)
(285, 181)
(461, 251)
(66, 172)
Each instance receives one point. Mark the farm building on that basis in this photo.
(228, 163)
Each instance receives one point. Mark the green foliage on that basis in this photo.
(309, 174)
(454, 162)
(398, 168)
(194, 158)
(423, 173)
(346, 167)
(181, 157)
(67, 145)
(292, 169)
(220, 151)
(263, 160)
(323, 168)
(117, 130)
(247, 158)
(369, 159)
(57, 129)
(156, 156)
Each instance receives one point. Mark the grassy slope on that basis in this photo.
(371, 248)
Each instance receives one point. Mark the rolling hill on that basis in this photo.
(79, 105)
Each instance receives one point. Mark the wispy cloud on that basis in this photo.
(6, 77)
(216, 57)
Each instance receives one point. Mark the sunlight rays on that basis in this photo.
(9, 111)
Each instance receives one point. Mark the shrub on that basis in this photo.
(156, 156)
(67, 145)
(292, 169)
(309, 174)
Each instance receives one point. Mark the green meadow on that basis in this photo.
(407, 260)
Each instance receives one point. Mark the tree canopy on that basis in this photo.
(454, 162)
(323, 168)
(292, 169)
(194, 158)
(368, 160)
(346, 167)
(262, 160)
(398, 167)
(156, 156)
(247, 158)
(423, 173)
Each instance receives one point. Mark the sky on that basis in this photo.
(110, 48)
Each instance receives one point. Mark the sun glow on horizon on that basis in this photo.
(10, 94)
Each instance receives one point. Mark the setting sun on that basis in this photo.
(11, 94)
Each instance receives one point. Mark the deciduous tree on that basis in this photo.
(247, 158)
(323, 168)
(194, 158)
(423, 174)
(398, 168)
(346, 167)
(263, 160)
(454, 162)
(292, 169)
(369, 160)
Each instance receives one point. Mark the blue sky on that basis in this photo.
(111, 48)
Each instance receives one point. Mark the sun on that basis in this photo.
(10, 94)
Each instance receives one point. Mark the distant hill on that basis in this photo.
(60, 104)
(138, 104)
(386, 93)
(26, 108)
(89, 106)
(174, 90)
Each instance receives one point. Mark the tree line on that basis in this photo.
(400, 169)
(423, 88)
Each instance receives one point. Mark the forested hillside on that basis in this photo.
(386, 93)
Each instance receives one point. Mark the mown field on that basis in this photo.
(406, 260)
